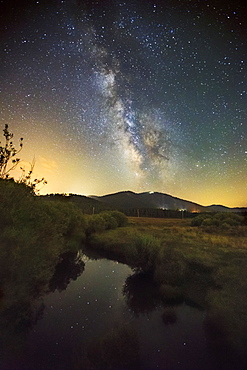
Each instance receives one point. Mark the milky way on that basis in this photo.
(129, 95)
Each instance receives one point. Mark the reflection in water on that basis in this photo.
(70, 266)
(220, 345)
(169, 316)
(116, 349)
(142, 295)
(21, 301)
(65, 313)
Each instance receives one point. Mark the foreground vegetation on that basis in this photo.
(28, 221)
(201, 264)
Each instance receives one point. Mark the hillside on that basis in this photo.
(87, 204)
(128, 199)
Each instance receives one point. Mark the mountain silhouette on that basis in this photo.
(128, 199)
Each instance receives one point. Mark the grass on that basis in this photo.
(208, 268)
(174, 236)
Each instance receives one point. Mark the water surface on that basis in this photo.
(94, 305)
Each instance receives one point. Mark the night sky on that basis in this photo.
(129, 95)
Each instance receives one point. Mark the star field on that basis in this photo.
(122, 95)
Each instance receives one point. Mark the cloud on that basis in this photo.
(49, 164)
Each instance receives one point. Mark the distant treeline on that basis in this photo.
(92, 206)
(157, 213)
(169, 213)
(87, 205)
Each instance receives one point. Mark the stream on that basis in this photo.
(99, 314)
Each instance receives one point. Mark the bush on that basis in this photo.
(121, 219)
(27, 219)
(223, 220)
(207, 222)
(95, 224)
(197, 221)
(226, 226)
(107, 220)
(110, 221)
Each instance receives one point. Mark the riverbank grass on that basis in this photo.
(207, 267)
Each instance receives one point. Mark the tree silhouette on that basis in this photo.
(9, 161)
(8, 153)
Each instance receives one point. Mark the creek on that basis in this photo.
(98, 311)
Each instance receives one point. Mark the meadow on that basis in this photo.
(203, 265)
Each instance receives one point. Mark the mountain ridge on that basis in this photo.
(129, 199)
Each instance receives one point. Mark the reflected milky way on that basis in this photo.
(118, 95)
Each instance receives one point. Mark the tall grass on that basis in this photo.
(189, 263)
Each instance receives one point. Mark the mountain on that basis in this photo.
(220, 208)
(128, 199)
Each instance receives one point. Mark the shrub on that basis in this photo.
(30, 220)
(222, 220)
(234, 219)
(107, 220)
(121, 219)
(110, 221)
(197, 221)
(207, 222)
(13, 197)
(225, 226)
(95, 224)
